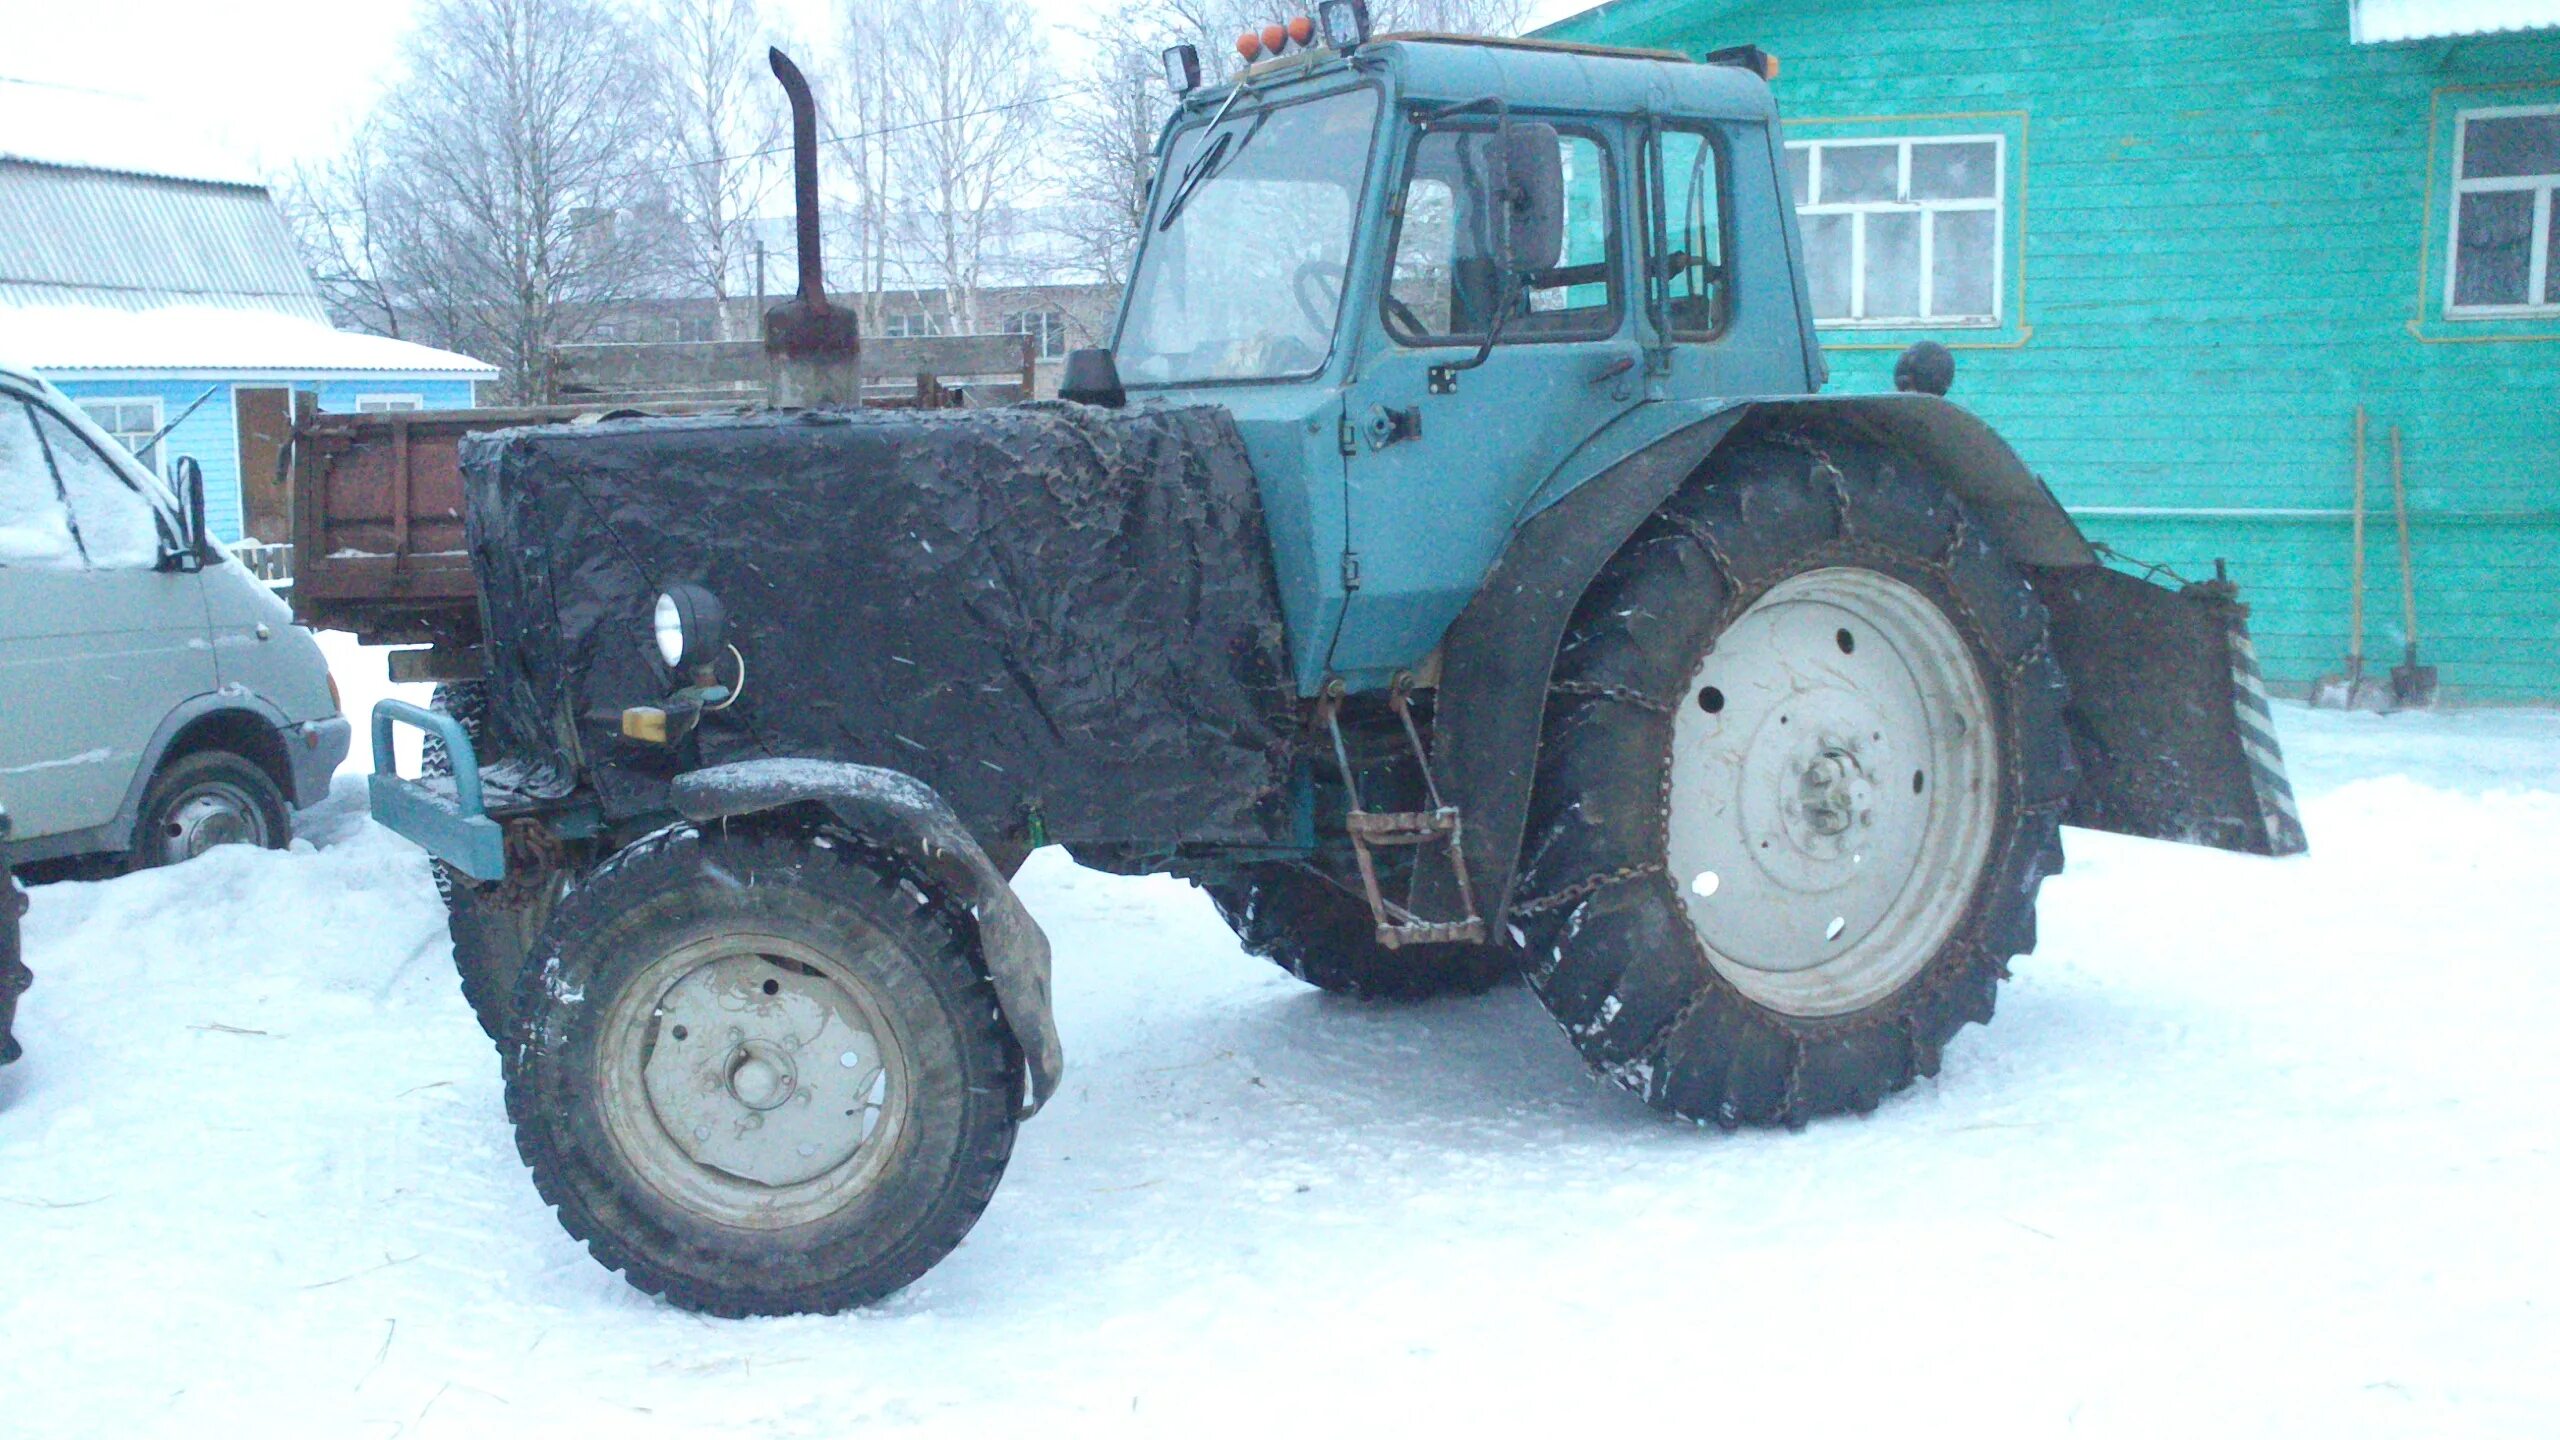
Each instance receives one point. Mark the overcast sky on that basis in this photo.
(272, 81)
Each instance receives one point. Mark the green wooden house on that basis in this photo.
(2175, 244)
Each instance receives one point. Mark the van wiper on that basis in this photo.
(1211, 159)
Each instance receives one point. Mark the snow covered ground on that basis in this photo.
(2253, 1148)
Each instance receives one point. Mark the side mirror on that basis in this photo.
(1533, 177)
(192, 540)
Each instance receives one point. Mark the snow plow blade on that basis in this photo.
(2168, 713)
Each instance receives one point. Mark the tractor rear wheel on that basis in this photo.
(490, 936)
(762, 1072)
(1322, 933)
(1803, 770)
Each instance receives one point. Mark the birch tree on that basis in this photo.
(518, 149)
(723, 119)
(967, 130)
(1108, 131)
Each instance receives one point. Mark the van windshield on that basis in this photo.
(1243, 278)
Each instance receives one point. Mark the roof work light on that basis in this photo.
(1345, 24)
(1182, 68)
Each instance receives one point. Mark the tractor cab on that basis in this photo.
(1424, 273)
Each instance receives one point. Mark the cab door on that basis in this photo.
(97, 643)
(1440, 457)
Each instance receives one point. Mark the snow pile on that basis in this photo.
(2378, 22)
(102, 130)
(2254, 1148)
(210, 337)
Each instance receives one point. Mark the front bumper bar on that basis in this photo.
(452, 825)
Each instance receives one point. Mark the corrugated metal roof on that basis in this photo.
(2380, 22)
(95, 237)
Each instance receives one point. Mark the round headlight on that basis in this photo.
(688, 623)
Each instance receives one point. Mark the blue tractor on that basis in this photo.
(1453, 567)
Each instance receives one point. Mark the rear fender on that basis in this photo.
(1499, 654)
(904, 814)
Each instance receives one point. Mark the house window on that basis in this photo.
(1902, 233)
(1047, 329)
(132, 423)
(909, 325)
(2506, 168)
(377, 404)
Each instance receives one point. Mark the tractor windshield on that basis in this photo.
(1241, 277)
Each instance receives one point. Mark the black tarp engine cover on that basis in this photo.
(1063, 619)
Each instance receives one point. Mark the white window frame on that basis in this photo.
(83, 402)
(1997, 204)
(2538, 263)
(386, 404)
(1047, 327)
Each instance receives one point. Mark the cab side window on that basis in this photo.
(1446, 284)
(117, 527)
(1688, 239)
(35, 526)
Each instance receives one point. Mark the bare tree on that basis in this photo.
(336, 212)
(517, 154)
(860, 121)
(966, 134)
(1107, 133)
(721, 123)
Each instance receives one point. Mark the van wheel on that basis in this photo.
(1802, 775)
(762, 1073)
(205, 799)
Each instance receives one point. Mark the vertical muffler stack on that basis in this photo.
(813, 351)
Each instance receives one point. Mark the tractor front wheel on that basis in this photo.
(762, 1073)
(1804, 766)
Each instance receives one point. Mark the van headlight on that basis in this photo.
(690, 626)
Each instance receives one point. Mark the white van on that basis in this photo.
(155, 699)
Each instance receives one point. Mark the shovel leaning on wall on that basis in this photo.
(2413, 686)
(2353, 690)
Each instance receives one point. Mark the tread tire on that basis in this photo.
(966, 1069)
(1612, 953)
(1315, 930)
(176, 777)
(489, 939)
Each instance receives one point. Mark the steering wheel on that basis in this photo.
(1317, 287)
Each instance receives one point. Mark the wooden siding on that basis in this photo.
(212, 433)
(2229, 209)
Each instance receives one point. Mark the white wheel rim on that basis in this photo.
(751, 1080)
(210, 814)
(1834, 791)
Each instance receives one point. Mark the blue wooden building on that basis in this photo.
(2178, 245)
(177, 299)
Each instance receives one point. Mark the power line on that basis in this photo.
(830, 138)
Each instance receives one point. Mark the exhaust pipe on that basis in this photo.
(813, 351)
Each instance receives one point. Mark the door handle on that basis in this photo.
(1388, 425)
(1612, 370)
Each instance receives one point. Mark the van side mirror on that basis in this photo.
(191, 552)
(1533, 174)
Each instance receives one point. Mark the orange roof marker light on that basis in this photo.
(1301, 29)
(1249, 45)
(1275, 38)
